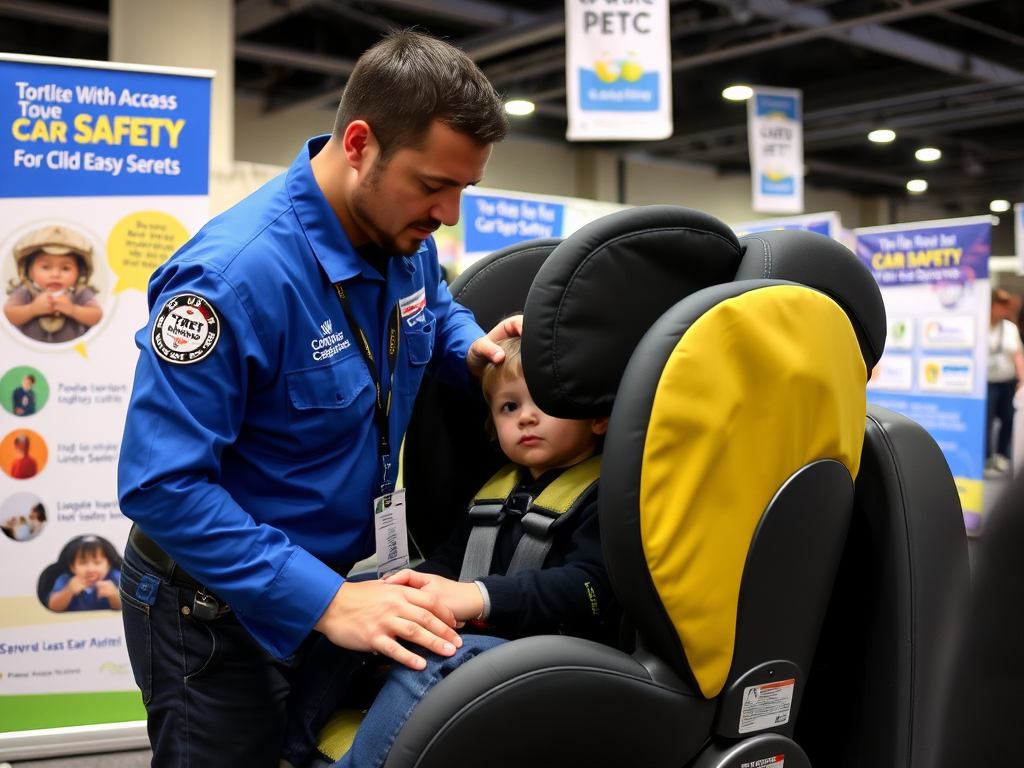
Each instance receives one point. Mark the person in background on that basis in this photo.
(53, 301)
(286, 343)
(24, 466)
(91, 582)
(1005, 374)
(23, 399)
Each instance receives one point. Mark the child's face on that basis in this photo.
(53, 273)
(530, 437)
(92, 566)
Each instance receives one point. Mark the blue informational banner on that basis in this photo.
(77, 131)
(775, 135)
(935, 285)
(496, 222)
(104, 174)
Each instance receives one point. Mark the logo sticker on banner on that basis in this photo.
(775, 130)
(618, 70)
(104, 169)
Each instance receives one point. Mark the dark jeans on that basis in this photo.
(1000, 406)
(214, 697)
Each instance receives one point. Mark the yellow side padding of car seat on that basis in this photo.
(759, 386)
(338, 733)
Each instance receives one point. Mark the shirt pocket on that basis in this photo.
(419, 344)
(325, 401)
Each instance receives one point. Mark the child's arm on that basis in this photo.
(18, 314)
(60, 599)
(575, 592)
(108, 589)
(88, 313)
(464, 600)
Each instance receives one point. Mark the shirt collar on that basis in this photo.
(324, 232)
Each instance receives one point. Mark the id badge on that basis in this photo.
(389, 525)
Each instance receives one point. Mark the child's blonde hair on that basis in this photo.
(509, 369)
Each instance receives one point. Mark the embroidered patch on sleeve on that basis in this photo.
(186, 330)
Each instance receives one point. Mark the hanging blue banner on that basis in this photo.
(934, 281)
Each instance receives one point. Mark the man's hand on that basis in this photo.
(463, 598)
(484, 350)
(375, 615)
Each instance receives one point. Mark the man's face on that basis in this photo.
(399, 205)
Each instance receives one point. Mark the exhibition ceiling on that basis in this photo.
(945, 74)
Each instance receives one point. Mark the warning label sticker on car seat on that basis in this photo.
(766, 706)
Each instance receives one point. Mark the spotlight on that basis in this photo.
(882, 136)
(917, 185)
(738, 92)
(519, 107)
(928, 154)
(999, 206)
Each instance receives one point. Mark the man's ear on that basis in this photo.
(600, 425)
(359, 144)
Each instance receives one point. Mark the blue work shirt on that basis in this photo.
(253, 459)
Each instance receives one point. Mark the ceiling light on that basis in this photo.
(928, 154)
(882, 136)
(519, 107)
(738, 92)
(917, 185)
(999, 206)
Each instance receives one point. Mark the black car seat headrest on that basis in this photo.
(829, 266)
(602, 288)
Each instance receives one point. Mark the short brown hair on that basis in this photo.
(509, 369)
(409, 80)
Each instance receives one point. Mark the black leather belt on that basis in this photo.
(160, 561)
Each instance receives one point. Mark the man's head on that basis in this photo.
(21, 444)
(28, 381)
(407, 82)
(526, 434)
(416, 124)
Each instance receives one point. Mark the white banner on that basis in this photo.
(775, 128)
(104, 173)
(618, 70)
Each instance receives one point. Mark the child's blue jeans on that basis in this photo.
(401, 693)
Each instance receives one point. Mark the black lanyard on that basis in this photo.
(383, 409)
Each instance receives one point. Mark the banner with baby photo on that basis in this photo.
(935, 284)
(104, 173)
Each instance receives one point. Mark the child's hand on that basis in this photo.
(464, 600)
(62, 303)
(42, 304)
(76, 584)
(106, 588)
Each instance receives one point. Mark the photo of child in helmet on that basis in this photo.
(52, 300)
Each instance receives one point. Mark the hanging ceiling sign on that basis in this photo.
(775, 128)
(618, 70)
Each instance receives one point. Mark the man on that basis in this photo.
(286, 344)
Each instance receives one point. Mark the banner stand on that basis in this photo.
(76, 740)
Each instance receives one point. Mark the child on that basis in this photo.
(54, 302)
(23, 399)
(570, 594)
(91, 582)
(24, 466)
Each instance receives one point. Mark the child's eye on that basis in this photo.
(509, 407)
